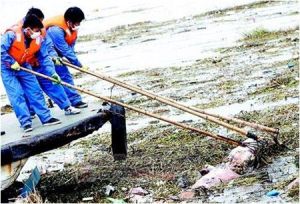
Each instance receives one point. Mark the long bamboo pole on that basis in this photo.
(209, 134)
(173, 103)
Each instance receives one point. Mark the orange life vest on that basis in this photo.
(70, 36)
(18, 48)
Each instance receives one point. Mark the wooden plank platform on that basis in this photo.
(16, 145)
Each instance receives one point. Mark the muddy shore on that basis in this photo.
(255, 78)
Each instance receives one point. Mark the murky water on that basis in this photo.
(52, 161)
(281, 169)
(180, 43)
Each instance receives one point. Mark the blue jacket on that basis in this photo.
(42, 55)
(50, 46)
(61, 46)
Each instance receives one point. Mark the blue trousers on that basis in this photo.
(19, 84)
(56, 92)
(31, 111)
(67, 77)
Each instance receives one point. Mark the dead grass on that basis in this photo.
(283, 117)
(280, 83)
(260, 35)
(33, 197)
(159, 154)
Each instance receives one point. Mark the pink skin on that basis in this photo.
(216, 176)
(240, 158)
(238, 161)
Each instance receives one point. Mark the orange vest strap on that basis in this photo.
(70, 36)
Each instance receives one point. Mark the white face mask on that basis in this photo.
(35, 35)
(75, 28)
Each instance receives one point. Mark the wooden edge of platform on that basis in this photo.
(30, 146)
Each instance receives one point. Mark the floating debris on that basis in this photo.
(109, 190)
(182, 181)
(273, 193)
(137, 191)
(187, 195)
(88, 199)
(116, 201)
(290, 65)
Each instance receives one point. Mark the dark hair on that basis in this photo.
(32, 21)
(35, 11)
(74, 14)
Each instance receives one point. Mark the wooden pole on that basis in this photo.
(195, 111)
(212, 135)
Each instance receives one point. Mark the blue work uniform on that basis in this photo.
(56, 92)
(57, 36)
(19, 84)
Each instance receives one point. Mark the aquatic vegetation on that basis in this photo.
(159, 154)
(262, 34)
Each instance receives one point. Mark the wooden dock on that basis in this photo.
(17, 146)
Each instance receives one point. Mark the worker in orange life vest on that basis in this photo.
(63, 32)
(55, 91)
(22, 46)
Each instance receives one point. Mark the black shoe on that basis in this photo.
(81, 105)
(52, 121)
(27, 128)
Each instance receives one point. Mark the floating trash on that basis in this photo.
(273, 193)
